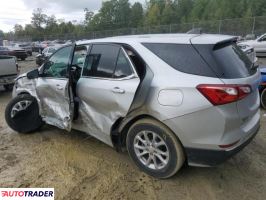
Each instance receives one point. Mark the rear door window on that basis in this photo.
(101, 61)
(182, 57)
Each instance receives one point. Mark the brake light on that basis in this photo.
(219, 94)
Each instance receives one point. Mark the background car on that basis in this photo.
(250, 37)
(249, 51)
(262, 87)
(4, 50)
(258, 44)
(8, 71)
(26, 46)
(17, 52)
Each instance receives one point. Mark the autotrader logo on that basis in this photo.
(26, 193)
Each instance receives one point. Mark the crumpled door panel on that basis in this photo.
(55, 102)
(54, 108)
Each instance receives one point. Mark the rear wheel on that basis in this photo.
(263, 98)
(22, 114)
(154, 148)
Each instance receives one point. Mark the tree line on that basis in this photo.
(116, 14)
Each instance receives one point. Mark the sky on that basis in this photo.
(20, 11)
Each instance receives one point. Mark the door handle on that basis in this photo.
(118, 90)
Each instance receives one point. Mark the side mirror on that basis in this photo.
(33, 74)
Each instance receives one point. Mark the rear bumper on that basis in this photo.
(204, 157)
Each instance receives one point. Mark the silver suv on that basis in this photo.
(167, 99)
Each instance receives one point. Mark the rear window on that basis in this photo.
(182, 57)
(228, 61)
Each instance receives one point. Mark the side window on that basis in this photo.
(182, 57)
(101, 61)
(123, 68)
(57, 64)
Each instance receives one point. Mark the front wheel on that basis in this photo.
(154, 148)
(22, 114)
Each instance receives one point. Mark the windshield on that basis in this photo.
(52, 50)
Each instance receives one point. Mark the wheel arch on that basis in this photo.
(121, 127)
(23, 92)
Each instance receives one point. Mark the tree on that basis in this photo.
(116, 14)
(38, 18)
(168, 14)
(153, 15)
(106, 16)
(137, 15)
(88, 15)
(1, 34)
(121, 13)
(18, 28)
(183, 9)
(50, 21)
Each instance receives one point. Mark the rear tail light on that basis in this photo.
(219, 94)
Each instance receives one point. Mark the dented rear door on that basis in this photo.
(106, 89)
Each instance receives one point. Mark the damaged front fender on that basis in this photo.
(54, 107)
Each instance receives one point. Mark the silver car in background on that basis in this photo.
(8, 71)
(168, 99)
(258, 44)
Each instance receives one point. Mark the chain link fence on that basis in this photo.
(239, 27)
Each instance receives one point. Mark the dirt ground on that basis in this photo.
(80, 167)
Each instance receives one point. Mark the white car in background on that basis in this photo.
(249, 51)
(259, 45)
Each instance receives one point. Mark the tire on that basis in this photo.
(9, 87)
(175, 156)
(23, 59)
(24, 121)
(263, 99)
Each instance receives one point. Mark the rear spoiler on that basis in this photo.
(225, 43)
(213, 39)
